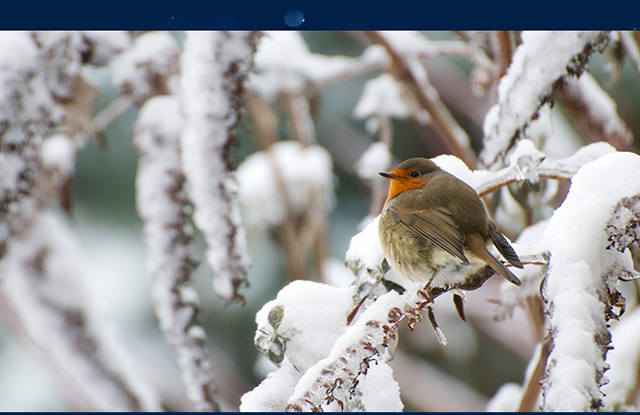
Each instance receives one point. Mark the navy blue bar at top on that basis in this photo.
(319, 15)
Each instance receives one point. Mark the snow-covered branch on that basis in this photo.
(539, 63)
(580, 287)
(27, 114)
(592, 106)
(162, 204)
(214, 66)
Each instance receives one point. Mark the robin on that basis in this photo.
(434, 229)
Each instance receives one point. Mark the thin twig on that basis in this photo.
(532, 391)
(112, 112)
(503, 44)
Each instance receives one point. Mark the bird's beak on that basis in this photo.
(388, 175)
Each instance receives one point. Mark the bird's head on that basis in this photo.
(411, 174)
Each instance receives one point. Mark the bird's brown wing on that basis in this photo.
(503, 246)
(437, 225)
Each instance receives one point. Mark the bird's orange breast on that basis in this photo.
(398, 186)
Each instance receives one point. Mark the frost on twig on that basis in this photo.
(580, 287)
(214, 67)
(163, 206)
(43, 286)
(590, 105)
(539, 63)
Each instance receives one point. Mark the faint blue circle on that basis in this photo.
(294, 18)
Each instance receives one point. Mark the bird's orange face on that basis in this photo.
(403, 180)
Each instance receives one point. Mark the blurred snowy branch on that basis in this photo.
(214, 67)
(164, 208)
(44, 289)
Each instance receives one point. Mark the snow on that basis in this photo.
(160, 202)
(272, 394)
(623, 360)
(576, 239)
(208, 91)
(314, 317)
(45, 277)
(59, 152)
(507, 399)
(377, 158)
(365, 250)
(140, 70)
(284, 63)
(383, 97)
(306, 174)
(538, 62)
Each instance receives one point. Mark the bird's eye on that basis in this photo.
(415, 174)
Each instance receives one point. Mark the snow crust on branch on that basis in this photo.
(580, 285)
(214, 66)
(27, 114)
(44, 276)
(539, 62)
(145, 69)
(162, 204)
(284, 63)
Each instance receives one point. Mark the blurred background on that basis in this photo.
(483, 354)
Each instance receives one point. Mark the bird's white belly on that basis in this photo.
(444, 270)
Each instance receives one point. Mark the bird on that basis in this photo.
(434, 229)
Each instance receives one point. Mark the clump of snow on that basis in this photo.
(384, 97)
(306, 173)
(314, 316)
(453, 165)
(58, 152)
(575, 285)
(365, 250)
(377, 158)
(143, 70)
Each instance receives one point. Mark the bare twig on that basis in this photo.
(411, 73)
(112, 112)
(534, 386)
